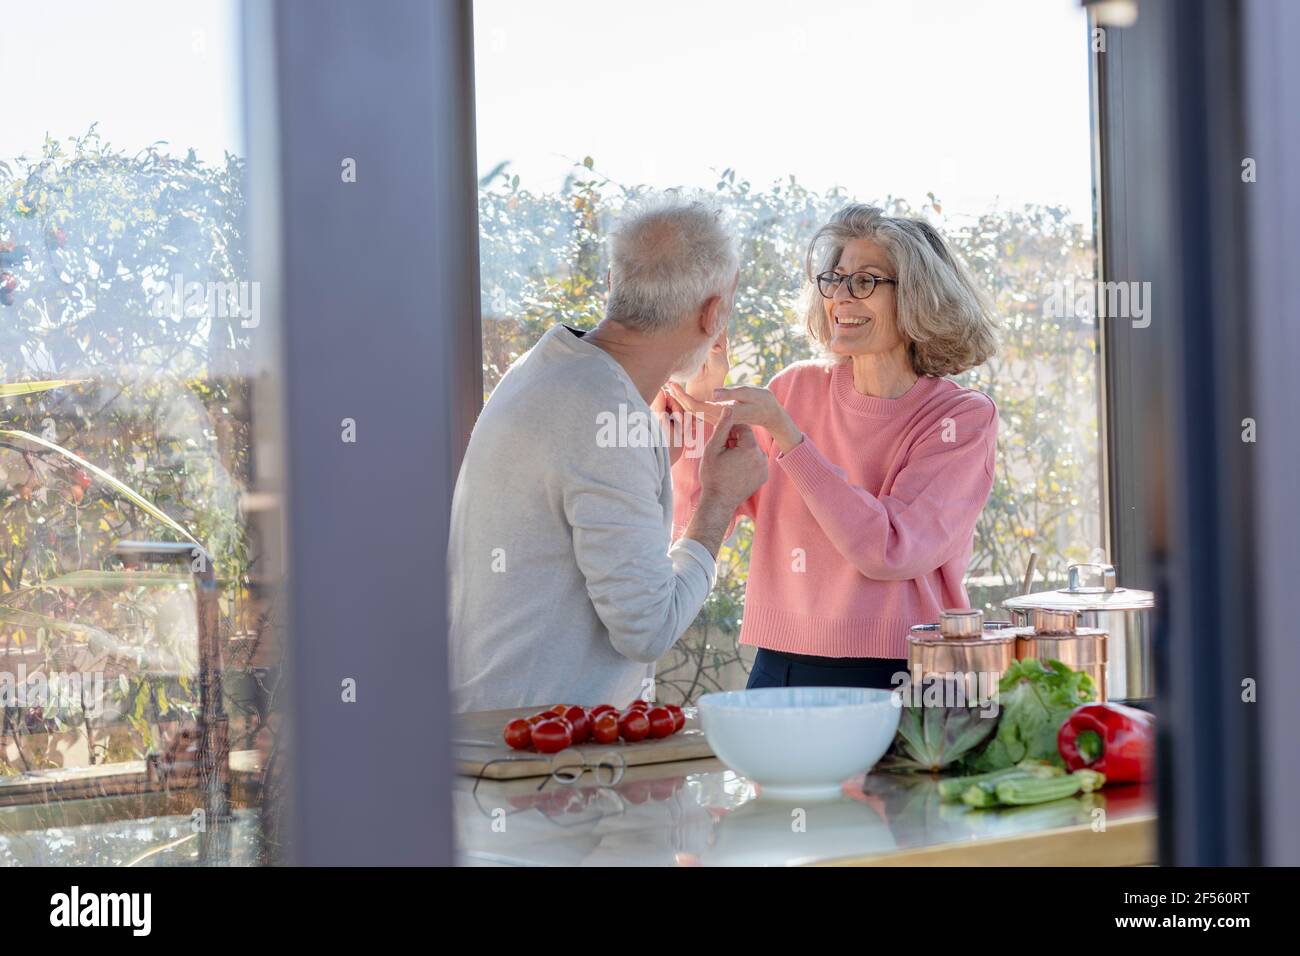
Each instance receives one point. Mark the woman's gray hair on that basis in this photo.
(668, 255)
(942, 314)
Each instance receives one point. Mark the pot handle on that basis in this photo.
(1106, 572)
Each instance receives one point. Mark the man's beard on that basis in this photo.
(691, 365)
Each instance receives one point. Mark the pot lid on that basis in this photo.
(1082, 595)
(966, 626)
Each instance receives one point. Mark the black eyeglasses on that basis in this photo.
(861, 284)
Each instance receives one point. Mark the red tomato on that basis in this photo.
(552, 736)
(661, 722)
(601, 709)
(577, 717)
(639, 704)
(558, 710)
(679, 718)
(538, 718)
(604, 729)
(634, 726)
(519, 734)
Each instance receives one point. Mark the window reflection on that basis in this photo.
(140, 650)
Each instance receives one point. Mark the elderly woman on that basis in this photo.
(879, 463)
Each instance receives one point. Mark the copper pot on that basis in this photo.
(1057, 636)
(962, 647)
(1123, 613)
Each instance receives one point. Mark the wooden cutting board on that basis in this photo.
(487, 725)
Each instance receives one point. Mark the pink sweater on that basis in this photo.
(866, 527)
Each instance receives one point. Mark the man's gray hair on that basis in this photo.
(668, 256)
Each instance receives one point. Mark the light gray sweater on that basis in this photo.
(564, 586)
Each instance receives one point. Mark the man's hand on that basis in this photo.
(732, 468)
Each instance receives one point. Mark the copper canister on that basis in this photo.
(962, 647)
(1056, 636)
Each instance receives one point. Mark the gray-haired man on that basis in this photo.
(565, 584)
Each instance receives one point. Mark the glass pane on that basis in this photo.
(139, 638)
(763, 105)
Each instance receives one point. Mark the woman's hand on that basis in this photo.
(709, 411)
(749, 405)
(752, 405)
(672, 419)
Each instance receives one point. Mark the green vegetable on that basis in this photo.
(935, 738)
(1090, 780)
(1068, 811)
(954, 787)
(1023, 788)
(1023, 791)
(1034, 700)
(1041, 768)
(982, 794)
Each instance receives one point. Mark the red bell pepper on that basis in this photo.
(1112, 739)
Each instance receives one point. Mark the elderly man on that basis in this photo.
(565, 583)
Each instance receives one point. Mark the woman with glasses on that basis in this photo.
(879, 463)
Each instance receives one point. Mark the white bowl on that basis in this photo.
(800, 743)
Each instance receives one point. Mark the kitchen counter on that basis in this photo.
(697, 812)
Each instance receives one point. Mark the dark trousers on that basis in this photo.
(779, 669)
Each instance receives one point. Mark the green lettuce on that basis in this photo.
(1034, 698)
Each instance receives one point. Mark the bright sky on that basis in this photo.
(983, 102)
(145, 69)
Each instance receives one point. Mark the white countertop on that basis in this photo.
(697, 812)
